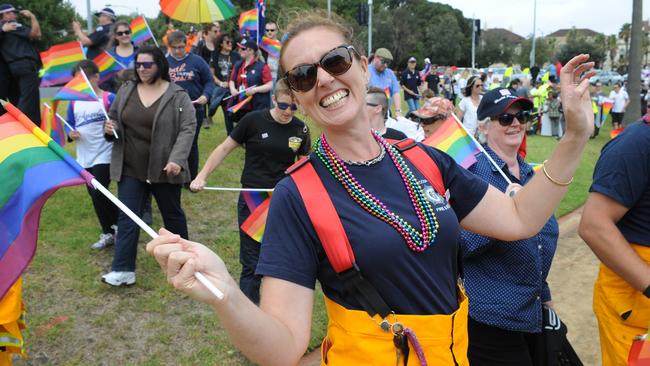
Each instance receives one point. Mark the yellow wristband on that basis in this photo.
(563, 184)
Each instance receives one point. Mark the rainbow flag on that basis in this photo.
(272, 46)
(615, 132)
(77, 89)
(235, 108)
(51, 125)
(254, 199)
(607, 107)
(451, 138)
(59, 61)
(536, 166)
(108, 66)
(32, 168)
(255, 224)
(140, 31)
(248, 21)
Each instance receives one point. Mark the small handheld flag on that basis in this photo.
(615, 132)
(255, 224)
(235, 108)
(51, 125)
(607, 107)
(76, 89)
(58, 63)
(140, 31)
(454, 140)
(108, 66)
(272, 46)
(248, 21)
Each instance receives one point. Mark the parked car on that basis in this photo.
(606, 77)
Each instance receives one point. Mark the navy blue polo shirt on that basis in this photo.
(409, 282)
(411, 80)
(622, 173)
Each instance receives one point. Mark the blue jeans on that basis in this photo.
(249, 255)
(413, 104)
(193, 158)
(134, 193)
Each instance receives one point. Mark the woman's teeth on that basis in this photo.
(334, 99)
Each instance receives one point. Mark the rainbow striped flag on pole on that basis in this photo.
(272, 46)
(248, 21)
(140, 31)
(255, 224)
(238, 106)
(451, 138)
(58, 63)
(77, 89)
(108, 66)
(51, 125)
(32, 168)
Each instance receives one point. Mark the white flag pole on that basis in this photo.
(199, 276)
(61, 118)
(101, 104)
(238, 189)
(153, 36)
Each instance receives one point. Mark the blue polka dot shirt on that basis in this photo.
(506, 281)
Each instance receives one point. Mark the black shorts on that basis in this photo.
(617, 117)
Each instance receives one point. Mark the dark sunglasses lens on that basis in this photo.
(337, 61)
(506, 119)
(285, 106)
(302, 78)
(146, 65)
(123, 33)
(523, 116)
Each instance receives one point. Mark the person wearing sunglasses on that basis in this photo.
(403, 235)
(155, 124)
(121, 47)
(273, 140)
(377, 104)
(223, 60)
(466, 110)
(250, 77)
(381, 76)
(433, 111)
(271, 31)
(506, 280)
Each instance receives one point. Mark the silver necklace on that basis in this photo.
(375, 160)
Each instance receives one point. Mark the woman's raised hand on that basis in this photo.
(576, 101)
(179, 259)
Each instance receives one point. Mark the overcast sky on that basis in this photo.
(605, 16)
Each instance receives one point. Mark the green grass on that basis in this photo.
(150, 323)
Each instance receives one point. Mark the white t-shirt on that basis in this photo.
(92, 148)
(470, 119)
(409, 128)
(619, 100)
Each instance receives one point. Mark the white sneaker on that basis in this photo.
(104, 241)
(119, 278)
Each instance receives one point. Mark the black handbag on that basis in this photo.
(559, 351)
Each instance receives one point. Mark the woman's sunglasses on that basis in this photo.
(144, 64)
(506, 119)
(285, 106)
(429, 120)
(123, 33)
(336, 62)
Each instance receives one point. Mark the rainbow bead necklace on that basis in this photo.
(415, 240)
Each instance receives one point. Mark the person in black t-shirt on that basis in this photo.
(97, 40)
(433, 80)
(377, 105)
(223, 58)
(410, 82)
(20, 59)
(273, 139)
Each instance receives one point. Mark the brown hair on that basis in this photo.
(306, 20)
(175, 37)
(113, 41)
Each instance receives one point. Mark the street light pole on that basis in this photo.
(89, 17)
(329, 9)
(473, 42)
(369, 26)
(532, 49)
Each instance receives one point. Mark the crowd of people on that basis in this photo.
(419, 259)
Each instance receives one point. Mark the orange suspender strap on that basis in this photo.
(423, 163)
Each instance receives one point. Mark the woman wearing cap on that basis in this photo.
(250, 77)
(97, 40)
(287, 138)
(466, 111)
(506, 280)
(434, 110)
(402, 233)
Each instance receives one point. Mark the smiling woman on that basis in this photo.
(372, 222)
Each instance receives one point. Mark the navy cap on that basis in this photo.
(6, 8)
(247, 43)
(497, 101)
(106, 11)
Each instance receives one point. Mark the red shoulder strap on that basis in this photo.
(423, 163)
(323, 216)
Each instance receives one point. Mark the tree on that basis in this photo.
(612, 48)
(55, 18)
(624, 34)
(634, 71)
(543, 51)
(576, 44)
(494, 49)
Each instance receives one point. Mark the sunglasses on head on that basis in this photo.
(284, 106)
(506, 119)
(123, 33)
(144, 64)
(336, 61)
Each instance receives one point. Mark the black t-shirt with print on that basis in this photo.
(271, 147)
(222, 64)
